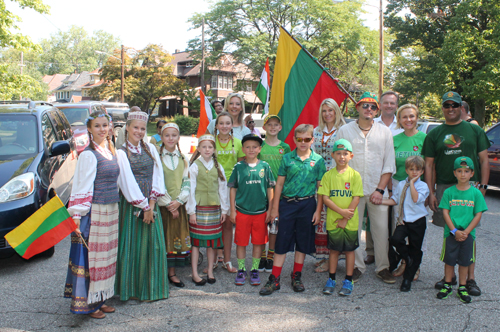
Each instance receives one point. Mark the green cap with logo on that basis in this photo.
(463, 162)
(271, 116)
(342, 145)
(453, 96)
(368, 97)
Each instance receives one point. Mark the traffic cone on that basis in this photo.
(193, 145)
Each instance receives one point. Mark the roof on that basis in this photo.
(75, 99)
(90, 86)
(54, 81)
(75, 82)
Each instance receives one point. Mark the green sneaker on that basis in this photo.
(463, 295)
(444, 292)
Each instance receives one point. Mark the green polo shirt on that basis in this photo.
(301, 175)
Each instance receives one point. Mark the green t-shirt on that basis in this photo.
(446, 143)
(463, 206)
(341, 188)
(273, 155)
(227, 156)
(405, 147)
(252, 184)
(301, 175)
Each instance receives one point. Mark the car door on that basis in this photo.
(494, 155)
(50, 165)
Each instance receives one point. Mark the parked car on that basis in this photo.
(427, 126)
(37, 161)
(494, 154)
(77, 113)
(119, 114)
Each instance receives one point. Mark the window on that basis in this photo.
(58, 124)
(225, 82)
(249, 87)
(220, 82)
(230, 83)
(214, 82)
(49, 135)
(494, 135)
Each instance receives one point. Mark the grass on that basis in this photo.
(151, 128)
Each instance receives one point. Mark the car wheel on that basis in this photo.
(48, 253)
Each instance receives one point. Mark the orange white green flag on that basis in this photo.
(44, 229)
(207, 114)
(264, 88)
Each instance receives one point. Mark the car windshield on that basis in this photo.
(76, 116)
(18, 136)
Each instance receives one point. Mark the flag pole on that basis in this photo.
(85, 244)
(317, 62)
(253, 105)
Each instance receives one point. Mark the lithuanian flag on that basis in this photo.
(43, 230)
(299, 87)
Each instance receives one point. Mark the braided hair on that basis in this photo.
(197, 154)
(93, 116)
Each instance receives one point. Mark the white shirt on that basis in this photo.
(171, 161)
(392, 126)
(373, 154)
(223, 192)
(412, 211)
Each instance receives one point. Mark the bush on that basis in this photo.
(187, 125)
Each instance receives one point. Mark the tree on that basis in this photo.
(147, 78)
(456, 47)
(331, 31)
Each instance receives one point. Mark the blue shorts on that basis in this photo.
(296, 231)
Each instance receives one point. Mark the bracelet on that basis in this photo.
(380, 190)
(390, 190)
(453, 232)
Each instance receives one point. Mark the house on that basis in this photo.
(228, 77)
(95, 81)
(71, 86)
(54, 82)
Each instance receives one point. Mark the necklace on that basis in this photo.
(220, 143)
(364, 129)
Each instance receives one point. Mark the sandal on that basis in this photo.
(97, 314)
(216, 265)
(229, 267)
(323, 267)
(107, 309)
(318, 263)
(417, 274)
(400, 270)
(220, 259)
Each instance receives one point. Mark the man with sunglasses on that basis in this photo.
(373, 158)
(442, 145)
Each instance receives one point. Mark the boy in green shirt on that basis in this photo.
(251, 194)
(462, 206)
(273, 150)
(341, 188)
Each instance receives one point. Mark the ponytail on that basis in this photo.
(111, 146)
(146, 149)
(216, 164)
(182, 156)
(91, 141)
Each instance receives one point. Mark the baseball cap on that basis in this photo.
(453, 96)
(251, 137)
(463, 162)
(342, 145)
(368, 97)
(271, 116)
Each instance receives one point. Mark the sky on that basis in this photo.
(136, 23)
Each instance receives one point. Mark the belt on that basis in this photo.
(296, 199)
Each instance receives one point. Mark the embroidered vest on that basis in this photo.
(207, 186)
(106, 180)
(142, 167)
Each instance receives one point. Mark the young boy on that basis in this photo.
(251, 195)
(410, 195)
(341, 189)
(462, 206)
(272, 152)
(298, 177)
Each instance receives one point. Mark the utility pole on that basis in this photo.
(381, 54)
(22, 66)
(123, 74)
(203, 55)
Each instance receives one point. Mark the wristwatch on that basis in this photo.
(380, 190)
(484, 186)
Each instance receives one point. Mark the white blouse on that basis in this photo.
(171, 161)
(223, 192)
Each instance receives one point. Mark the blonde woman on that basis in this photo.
(235, 106)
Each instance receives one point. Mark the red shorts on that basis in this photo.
(247, 225)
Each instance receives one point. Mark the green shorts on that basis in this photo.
(342, 240)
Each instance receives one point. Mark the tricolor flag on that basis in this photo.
(263, 88)
(299, 87)
(207, 114)
(43, 230)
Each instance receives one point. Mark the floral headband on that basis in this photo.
(102, 115)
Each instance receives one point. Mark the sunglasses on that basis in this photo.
(454, 105)
(372, 107)
(249, 122)
(305, 140)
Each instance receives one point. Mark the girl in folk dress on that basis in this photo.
(172, 205)
(207, 206)
(141, 271)
(329, 121)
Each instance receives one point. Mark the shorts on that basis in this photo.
(254, 225)
(342, 240)
(296, 231)
(273, 226)
(461, 253)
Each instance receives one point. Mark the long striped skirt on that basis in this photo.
(141, 269)
(177, 239)
(207, 232)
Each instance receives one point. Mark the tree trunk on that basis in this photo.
(479, 111)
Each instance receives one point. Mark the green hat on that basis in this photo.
(368, 97)
(453, 96)
(463, 162)
(271, 116)
(342, 145)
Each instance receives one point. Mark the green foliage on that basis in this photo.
(187, 125)
(14, 86)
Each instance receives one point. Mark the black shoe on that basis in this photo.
(463, 295)
(440, 284)
(473, 288)
(297, 284)
(202, 282)
(405, 285)
(211, 280)
(273, 284)
(179, 284)
(444, 292)
(269, 266)
(262, 265)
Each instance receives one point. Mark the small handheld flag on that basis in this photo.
(207, 114)
(263, 88)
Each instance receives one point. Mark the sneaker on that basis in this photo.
(473, 288)
(297, 284)
(329, 287)
(346, 288)
(386, 276)
(356, 275)
(272, 284)
(241, 277)
(262, 265)
(463, 295)
(254, 278)
(269, 265)
(444, 292)
(440, 284)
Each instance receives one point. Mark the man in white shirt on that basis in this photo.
(374, 159)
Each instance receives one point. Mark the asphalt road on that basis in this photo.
(31, 298)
